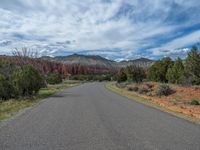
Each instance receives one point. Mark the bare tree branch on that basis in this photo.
(25, 52)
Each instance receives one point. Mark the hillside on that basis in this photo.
(78, 64)
(97, 62)
(141, 62)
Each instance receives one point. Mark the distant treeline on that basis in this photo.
(185, 72)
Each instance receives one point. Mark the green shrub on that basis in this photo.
(6, 89)
(54, 78)
(157, 72)
(194, 102)
(135, 73)
(163, 90)
(192, 66)
(175, 72)
(122, 77)
(131, 73)
(27, 81)
(7, 68)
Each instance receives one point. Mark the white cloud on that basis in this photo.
(129, 25)
(176, 46)
(186, 40)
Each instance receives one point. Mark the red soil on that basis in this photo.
(178, 101)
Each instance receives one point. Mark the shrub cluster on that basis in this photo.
(163, 90)
(54, 78)
(143, 90)
(194, 102)
(132, 74)
(177, 72)
(157, 72)
(6, 89)
(19, 82)
(27, 81)
(122, 77)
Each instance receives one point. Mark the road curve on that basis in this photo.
(90, 117)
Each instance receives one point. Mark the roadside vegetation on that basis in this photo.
(173, 84)
(54, 78)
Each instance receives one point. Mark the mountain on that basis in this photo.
(76, 64)
(86, 63)
(88, 60)
(97, 64)
(141, 62)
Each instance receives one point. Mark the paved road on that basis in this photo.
(90, 117)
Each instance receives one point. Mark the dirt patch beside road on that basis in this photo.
(178, 101)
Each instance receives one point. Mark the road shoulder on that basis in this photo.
(30, 104)
(131, 96)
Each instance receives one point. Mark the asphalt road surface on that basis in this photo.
(90, 117)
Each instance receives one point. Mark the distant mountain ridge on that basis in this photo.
(98, 61)
(76, 64)
(141, 62)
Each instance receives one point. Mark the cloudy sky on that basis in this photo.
(115, 29)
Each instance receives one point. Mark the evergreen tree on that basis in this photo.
(175, 72)
(192, 66)
(121, 76)
(134, 73)
(157, 72)
(27, 81)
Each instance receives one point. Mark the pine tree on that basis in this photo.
(175, 72)
(192, 66)
(121, 76)
(157, 72)
(135, 73)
